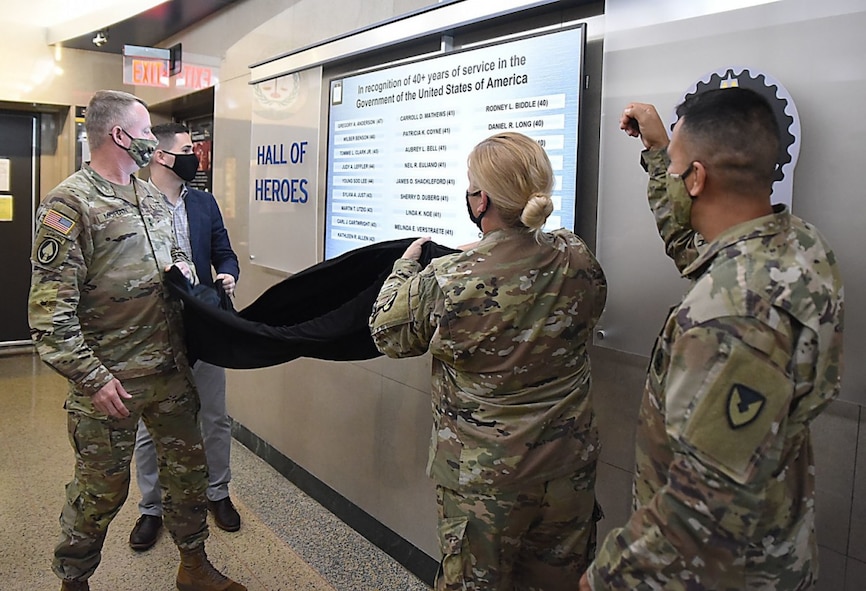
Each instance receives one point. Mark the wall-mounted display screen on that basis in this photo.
(398, 137)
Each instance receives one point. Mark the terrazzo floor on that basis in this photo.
(287, 541)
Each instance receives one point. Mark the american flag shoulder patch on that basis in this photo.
(57, 221)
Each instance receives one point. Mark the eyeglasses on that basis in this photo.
(473, 193)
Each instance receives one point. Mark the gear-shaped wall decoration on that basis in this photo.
(783, 107)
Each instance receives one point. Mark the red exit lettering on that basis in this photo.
(148, 73)
(197, 77)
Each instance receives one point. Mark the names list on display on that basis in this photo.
(399, 139)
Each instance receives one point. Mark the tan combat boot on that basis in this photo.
(196, 573)
(74, 586)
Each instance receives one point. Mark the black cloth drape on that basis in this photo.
(320, 312)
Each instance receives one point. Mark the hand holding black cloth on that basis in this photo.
(320, 312)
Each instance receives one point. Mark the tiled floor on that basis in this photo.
(287, 541)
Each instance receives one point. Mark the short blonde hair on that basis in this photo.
(516, 174)
(106, 109)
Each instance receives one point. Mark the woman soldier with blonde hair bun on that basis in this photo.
(507, 322)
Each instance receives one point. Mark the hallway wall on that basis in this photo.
(363, 428)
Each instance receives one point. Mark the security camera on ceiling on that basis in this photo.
(100, 39)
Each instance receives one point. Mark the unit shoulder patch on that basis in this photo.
(47, 250)
(744, 405)
(739, 412)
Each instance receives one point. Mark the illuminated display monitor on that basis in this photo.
(399, 136)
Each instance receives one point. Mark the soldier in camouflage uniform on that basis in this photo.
(724, 489)
(100, 317)
(514, 444)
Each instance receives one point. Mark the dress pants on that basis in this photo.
(216, 432)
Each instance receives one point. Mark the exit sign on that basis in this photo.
(146, 66)
(155, 66)
(144, 72)
(155, 72)
(196, 77)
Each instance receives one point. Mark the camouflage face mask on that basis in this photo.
(680, 198)
(140, 149)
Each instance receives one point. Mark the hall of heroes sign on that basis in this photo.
(283, 171)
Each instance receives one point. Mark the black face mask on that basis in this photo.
(476, 219)
(185, 165)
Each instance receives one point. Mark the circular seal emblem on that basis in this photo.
(276, 98)
(48, 250)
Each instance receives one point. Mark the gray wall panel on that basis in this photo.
(816, 51)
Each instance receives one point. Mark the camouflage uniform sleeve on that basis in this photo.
(179, 256)
(405, 315)
(726, 403)
(59, 269)
(680, 242)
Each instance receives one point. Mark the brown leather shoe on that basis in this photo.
(68, 585)
(224, 514)
(145, 532)
(196, 573)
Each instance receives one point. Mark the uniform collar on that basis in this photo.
(106, 187)
(767, 225)
(102, 185)
(500, 234)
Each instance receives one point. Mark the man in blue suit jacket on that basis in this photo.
(199, 231)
